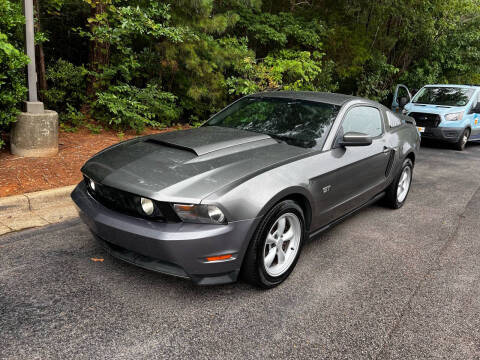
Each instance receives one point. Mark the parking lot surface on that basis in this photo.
(383, 284)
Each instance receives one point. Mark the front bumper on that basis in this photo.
(448, 134)
(178, 249)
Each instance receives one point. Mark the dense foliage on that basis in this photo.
(12, 62)
(137, 63)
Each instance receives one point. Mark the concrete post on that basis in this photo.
(35, 133)
(30, 47)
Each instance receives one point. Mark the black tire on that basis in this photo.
(391, 198)
(253, 269)
(462, 142)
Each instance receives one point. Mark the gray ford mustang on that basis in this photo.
(242, 193)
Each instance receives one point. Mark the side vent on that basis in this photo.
(390, 163)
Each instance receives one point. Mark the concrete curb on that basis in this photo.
(35, 200)
(48, 198)
(36, 209)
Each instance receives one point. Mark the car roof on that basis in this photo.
(454, 85)
(325, 97)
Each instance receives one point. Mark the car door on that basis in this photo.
(475, 118)
(401, 94)
(360, 170)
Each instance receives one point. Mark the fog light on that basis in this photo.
(219, 258)
(147, 206)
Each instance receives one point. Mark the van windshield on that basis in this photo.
(446, 96)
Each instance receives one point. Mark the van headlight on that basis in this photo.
(454, 116)
(205, 214)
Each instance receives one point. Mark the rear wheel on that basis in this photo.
(398, 190)
(460, 144)
(276, 245)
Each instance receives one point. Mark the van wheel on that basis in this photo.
(460, 144)
(398, 190)
(276, 246)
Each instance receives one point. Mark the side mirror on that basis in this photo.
(355, 139)
(402, 102)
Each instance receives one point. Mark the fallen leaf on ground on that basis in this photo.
(95, 259)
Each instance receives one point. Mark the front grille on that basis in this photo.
(128, 203)
(426, 120)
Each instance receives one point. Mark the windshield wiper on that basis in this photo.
(293, 141)
(274, 136)
(281, 138)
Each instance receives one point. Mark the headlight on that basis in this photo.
(210, 214)
(454, 117)
(147, 206)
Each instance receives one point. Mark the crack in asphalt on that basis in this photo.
(434, 266)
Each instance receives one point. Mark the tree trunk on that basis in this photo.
(99, 53)
(39, 54)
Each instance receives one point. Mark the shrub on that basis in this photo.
(66, 90)
(126, 106)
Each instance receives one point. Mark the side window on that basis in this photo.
(402, 92)
(476, 105)
(363, 119)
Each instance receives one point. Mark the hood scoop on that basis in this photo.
(207, 139)
(167, 144)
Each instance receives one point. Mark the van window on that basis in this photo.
(476, 102)
(442, 95)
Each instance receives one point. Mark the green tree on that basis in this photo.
(151, 63)
(124, 38)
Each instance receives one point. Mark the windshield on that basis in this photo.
(447, 96)
(297, 122)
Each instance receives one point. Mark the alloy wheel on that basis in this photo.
(404, 184)
(282, 244)
(465, 138)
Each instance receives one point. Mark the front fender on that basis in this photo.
(293, 191)
(254, 197)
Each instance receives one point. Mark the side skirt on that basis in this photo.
(342, 218)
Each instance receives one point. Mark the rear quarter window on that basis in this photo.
(393, 120)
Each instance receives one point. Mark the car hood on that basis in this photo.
(188, 165)
(433, 109)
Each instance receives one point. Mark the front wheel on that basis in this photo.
(276, 245)
(398, 190)
(462, 142)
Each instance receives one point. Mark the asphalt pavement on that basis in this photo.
(383, 284)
